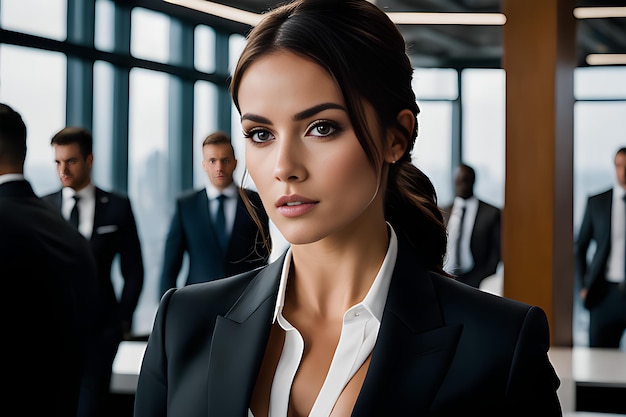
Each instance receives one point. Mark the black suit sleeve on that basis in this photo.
(583, 241)
(533, 383)
(174, 251)
(131, 263)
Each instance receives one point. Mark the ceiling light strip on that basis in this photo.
(599, 12)
(447, 18)
(606, 59)
(220, 10)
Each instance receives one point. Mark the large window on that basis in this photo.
(46, 18)
(484, 131)
(33, 83)
(437, 91)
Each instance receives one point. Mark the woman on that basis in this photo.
(357, 318)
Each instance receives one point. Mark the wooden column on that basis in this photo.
(537, 231)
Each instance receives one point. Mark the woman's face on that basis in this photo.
(302, 153)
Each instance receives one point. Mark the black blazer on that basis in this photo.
(49, 274)
(114, 233)
(596, 226)
(485, 243)
(191, 231)
(444, 348)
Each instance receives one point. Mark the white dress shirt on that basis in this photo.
(86, 207)
(358, 335)
(230, 204)
(615, 262)
(466, 263)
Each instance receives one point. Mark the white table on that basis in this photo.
(596, 367)
(126, 367)
(578, 365)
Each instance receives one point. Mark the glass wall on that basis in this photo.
(32, 81)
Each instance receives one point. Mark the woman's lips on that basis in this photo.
(294, 205)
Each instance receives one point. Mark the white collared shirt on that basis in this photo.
(615, 262)
(86, 207)
(466, 263)
(359, 332)
(230, 204)
(11, 177)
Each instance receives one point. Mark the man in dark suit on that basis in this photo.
(216, 247)
(474, 249)
(601, 281)
(49, 273)
(107, 221)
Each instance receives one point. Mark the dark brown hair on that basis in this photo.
(72, 134)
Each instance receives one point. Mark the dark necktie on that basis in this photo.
(220, 222)
(74, 214)
(458, 242)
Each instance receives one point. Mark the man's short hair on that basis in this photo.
(12, 136)
(73, 134)
(218, 138)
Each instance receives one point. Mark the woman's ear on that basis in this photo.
(398, 138)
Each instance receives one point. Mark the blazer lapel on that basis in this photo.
(238, 345)
(102, 199)
(414, 348)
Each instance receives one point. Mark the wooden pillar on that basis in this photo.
(537, 231)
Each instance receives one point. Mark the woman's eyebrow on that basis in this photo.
(316, 109)
(255, 118)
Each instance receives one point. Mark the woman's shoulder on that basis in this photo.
(218, 292)
(460, 299)
(220, 296)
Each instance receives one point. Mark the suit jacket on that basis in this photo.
(485, 243)
(192, 231)
(596, 226)
(444, 348)
(114, 233)
(49, 273)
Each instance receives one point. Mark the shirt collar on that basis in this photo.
(376, 297)
(85, 192)
(462, 202)
(618, 191)
(11, 177)
(213, 193)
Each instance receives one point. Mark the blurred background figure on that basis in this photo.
(602, 280)
(49, 272)
(474, 249)
(212, 225)
(107, 221)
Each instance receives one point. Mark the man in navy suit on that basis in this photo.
(49, 272)
(216, 247)
(474, 249)
(602, 280)
(107, 221)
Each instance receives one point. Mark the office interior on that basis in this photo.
(520, 101)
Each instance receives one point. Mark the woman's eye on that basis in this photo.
(258, 136)
(323, 129)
